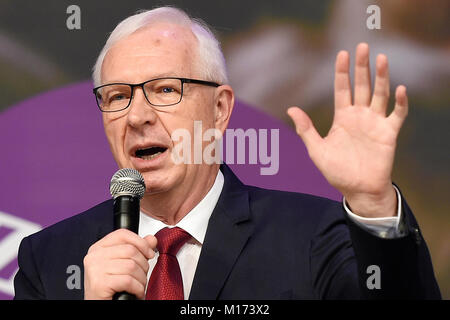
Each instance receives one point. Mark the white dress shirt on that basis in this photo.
(196, 223)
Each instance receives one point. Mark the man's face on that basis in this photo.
(163, 50)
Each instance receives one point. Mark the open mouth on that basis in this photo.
(149, 153)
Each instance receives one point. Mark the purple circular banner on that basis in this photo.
(55, 163)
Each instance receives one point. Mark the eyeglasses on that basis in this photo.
(160, 92)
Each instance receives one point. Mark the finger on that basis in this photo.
(380, 97)
(305, 129)
(120, 283)
(123, 236)
(398, 115)
(126, 267)
(342, 87)
(126, 251)
(362, 75)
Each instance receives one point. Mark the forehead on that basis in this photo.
(157, 50)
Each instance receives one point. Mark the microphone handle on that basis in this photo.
(124, 296)
(126, 213)
(126, 216)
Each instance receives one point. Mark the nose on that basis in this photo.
(140, 111)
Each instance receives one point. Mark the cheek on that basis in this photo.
(179, 124)
(199, 108)
(114, 132)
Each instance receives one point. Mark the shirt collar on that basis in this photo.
(195, 222)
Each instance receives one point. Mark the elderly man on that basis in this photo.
(202, 233)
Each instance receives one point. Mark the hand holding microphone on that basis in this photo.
(116, 266)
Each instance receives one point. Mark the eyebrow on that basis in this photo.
(159, 75)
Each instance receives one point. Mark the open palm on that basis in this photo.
(357, 155)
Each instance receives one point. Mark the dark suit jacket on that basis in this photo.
(260, 244)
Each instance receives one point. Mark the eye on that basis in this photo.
(168, 90)
(117, 97)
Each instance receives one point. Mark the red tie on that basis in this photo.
(166, 282)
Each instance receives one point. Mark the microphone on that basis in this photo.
(127, 187)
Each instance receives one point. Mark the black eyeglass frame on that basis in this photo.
(141, 85)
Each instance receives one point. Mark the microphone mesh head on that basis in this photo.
(127, 182)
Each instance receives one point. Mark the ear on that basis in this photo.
(223, 106)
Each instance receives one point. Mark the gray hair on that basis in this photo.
(211, 61)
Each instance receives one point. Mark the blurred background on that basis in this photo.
(279, 53)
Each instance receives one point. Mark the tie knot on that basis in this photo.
(170, 240)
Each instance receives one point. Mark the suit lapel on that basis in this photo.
(228, 231)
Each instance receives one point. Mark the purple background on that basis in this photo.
(55, 160)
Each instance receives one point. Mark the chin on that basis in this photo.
(161, 180)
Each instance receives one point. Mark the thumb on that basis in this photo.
(152, 241)
(305, 128)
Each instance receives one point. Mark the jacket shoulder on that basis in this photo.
(44, 257)
(76, 228)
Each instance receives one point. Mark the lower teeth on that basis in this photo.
(150, 156)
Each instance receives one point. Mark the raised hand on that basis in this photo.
(357, 155)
